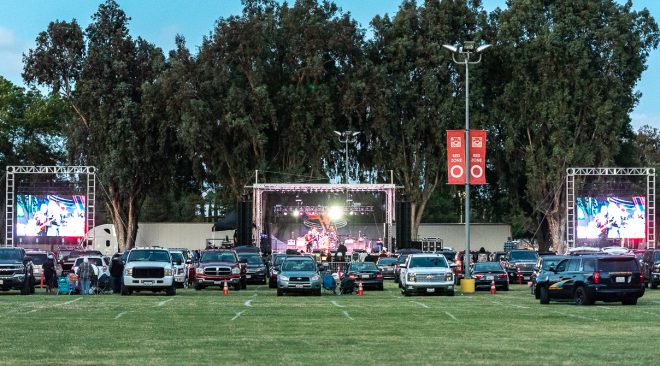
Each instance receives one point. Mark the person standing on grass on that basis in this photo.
(49, 272)
(85, 273)
(116, 271)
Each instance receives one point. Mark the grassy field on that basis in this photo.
(254, 327)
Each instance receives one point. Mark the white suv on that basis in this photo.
(426, 273)
(149, 269)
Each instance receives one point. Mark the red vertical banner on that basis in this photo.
(456, 156)
(477, 157)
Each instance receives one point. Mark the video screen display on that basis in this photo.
(611, 217)
(50, 215)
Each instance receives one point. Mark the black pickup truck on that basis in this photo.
(16, 271)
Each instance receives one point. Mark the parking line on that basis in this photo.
(337, 305)
(164, 302)
(238, 314)
(69, 302)
(248, 303)
(420, 304)
(451, 316)
(346, 314)
(575, 316)
(120, 315)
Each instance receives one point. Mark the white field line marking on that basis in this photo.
(248, 303)
(164, 302)
(337, 305)
(574, 316)
(254, 295)
(451, 316)
(346, 315)
(420, 304)
(55, 305)
(519, 306)
(238, 314)
(120, 315)
(649, 313)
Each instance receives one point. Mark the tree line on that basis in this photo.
(267, 88)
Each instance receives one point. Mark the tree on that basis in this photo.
(572, 68)
(111, 82)
(413, 95)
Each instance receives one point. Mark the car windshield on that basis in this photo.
(366, 266)
(523, 255)
(299, 266)
(254, 259)
(618, 265)
(149, 256)
(401, 259)
(550, 262)
(218, 257)
(176, 256)
(487, 267)
(38, 258)
(386, 261)
(439, 262)
(656, 256)
(95, 261)
(279, 259)
(10, 254)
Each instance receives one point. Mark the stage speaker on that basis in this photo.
(244, 223)
(403, 225)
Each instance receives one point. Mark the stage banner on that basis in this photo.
(456, 156)
(477, 157)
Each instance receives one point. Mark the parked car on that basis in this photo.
(651, 267)
(255, 269)
(543, 265)
(450, 255)
(484, 273)
(397, 267)
(68, 261)
(148, 269)
(38, 258)
(180, 268)
(426, 273)
(386, 266)
(589, 278)
(299, 274)
(16, 272)
(100, 265)
(217, 266)
(367, 273)
(523, 261)
(274, 269)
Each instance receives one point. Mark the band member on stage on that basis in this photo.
(309, 238)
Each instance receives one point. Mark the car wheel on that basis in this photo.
(450, 293)
(581, 296)
(124, 291)
(317, 292)
(654, 285)
(506, 287)
(171, 291)
(237, 287)
(280, 292)
(198, 287)
(544, 296)
(632, 301)
(405, 292)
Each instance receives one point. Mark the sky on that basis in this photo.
(159, 21)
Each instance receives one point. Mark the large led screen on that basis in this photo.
(611, 218)
(50, 215)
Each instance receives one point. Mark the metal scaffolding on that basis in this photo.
(650, 197)
(258, 189)
(10, 198)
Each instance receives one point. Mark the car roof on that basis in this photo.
(415, 255)
(218, 250)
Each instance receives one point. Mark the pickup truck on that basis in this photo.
(149, 269)
(217, 267)
(16, 271)
(426, 273)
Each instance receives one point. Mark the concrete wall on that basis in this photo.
(489, 236)
(179, 234)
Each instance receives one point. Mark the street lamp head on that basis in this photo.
(337, 133)
(482, 48)
(355, 133)
(468, 46)
(452, 49)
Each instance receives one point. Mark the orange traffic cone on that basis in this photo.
(493, 291)
(360, 289)
(225, 290)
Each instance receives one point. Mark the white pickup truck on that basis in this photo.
(149, 269)
(426, 273)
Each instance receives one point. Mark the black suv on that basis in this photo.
(651, 267)
(588, 278)
(16, 271)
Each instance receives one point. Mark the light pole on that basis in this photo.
(465, 52)
(347, 136)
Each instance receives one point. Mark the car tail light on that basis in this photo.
(478, 276)
(641, 278)
(502, 275)
(459, 267)
(596, 277)
(351, 276)
(379, 276)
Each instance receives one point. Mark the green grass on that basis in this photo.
(386, 328)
